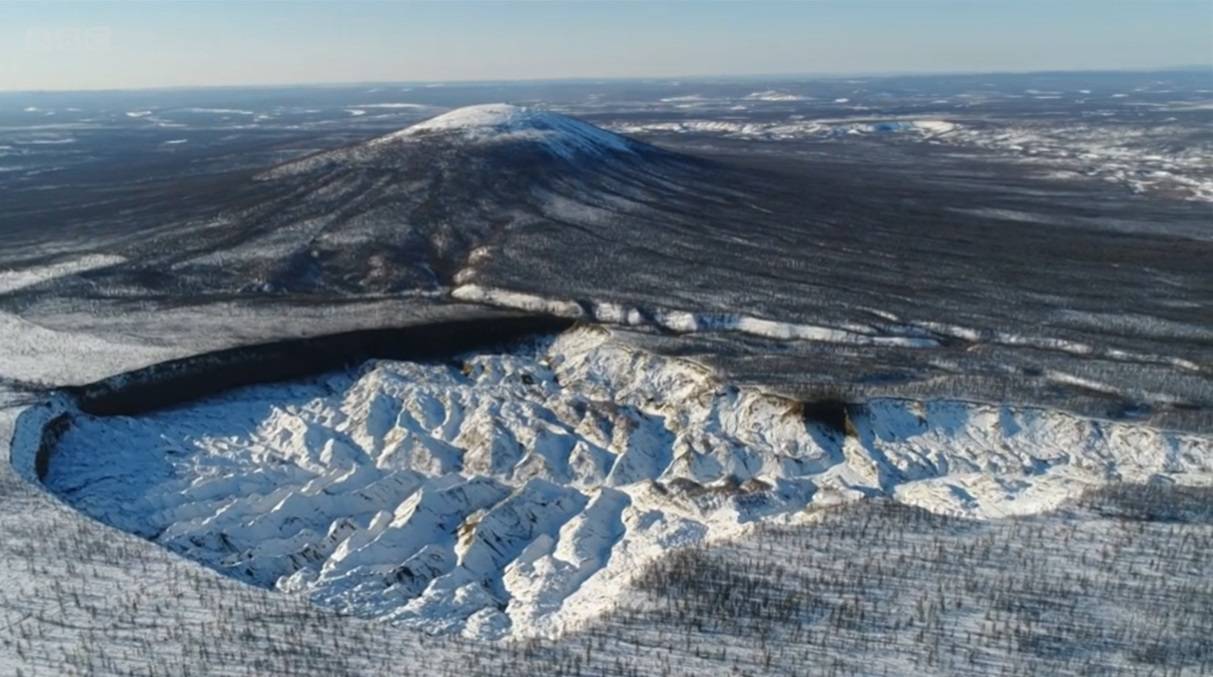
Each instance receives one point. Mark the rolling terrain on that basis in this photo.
(813, 273)
(962, 322)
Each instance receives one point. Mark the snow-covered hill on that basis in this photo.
(399, 212)
(853, 272)
(496, 123)
(514, 493)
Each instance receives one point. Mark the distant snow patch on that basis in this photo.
(218, 111)
(773, 95)
(935, 126)
(795, 128)
(393, 106)
(686, 98)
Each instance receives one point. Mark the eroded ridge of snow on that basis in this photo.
(503, 122)
(514, 493)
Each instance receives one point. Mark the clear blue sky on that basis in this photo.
(48, 45)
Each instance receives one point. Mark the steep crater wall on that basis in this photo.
(192, 378)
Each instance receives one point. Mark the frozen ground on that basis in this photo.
(1059, 593)
(858, 266)
(1038, 239)
(1035, 242)
(517, 493)
(1169, 159)
(880, 588)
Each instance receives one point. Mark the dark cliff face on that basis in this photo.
(403, 212)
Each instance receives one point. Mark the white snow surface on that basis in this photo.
(513, 493)
(33, 353)
(497, 122)
(681, 321)
(773, 95)
(472, 127)
(796, 128)
(19, 278)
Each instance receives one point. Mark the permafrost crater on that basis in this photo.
(512, 493)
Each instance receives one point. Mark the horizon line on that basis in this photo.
(636, 78)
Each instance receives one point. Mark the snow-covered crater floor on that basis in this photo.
(512, 493)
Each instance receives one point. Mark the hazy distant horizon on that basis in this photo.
(72, 46)
(722, 77)
(695, 77)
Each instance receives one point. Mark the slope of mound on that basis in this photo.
(402, 212)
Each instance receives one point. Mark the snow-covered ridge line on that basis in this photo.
(470, 127)
(1055, 344)
(682, 321)
(191, 378)
(12, 280)
(513, 493)
(913, 334)
(500, 122)
(30, 449)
